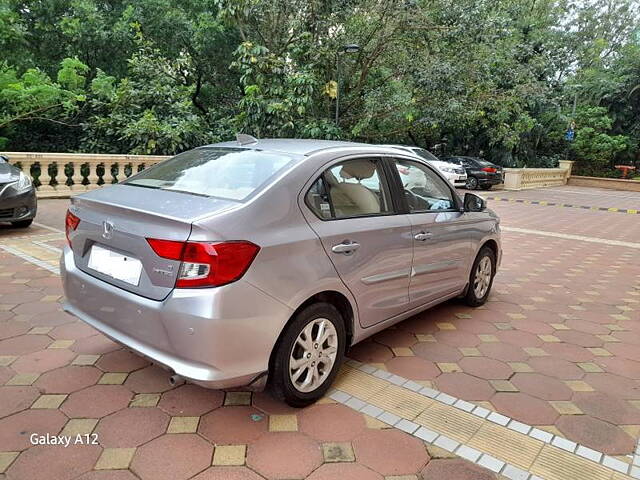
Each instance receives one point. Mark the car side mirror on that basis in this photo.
(474, 203)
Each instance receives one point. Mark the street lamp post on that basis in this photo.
(571, 126)
(349, 48)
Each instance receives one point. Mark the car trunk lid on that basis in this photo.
(110, 242)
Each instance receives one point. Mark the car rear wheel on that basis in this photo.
(481, 278)
(308, 355)
(22, 223)
(472, 183)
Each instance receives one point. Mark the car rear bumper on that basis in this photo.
(455, 178)
(15, 208)
(215, 337)
(489, 180)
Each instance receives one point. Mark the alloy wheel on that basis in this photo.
(472, 183)
(482, 278)
(313, 355)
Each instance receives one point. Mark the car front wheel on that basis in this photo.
(481, 278)
(472, 183)
(308, 355)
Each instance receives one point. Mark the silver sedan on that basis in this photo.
(260, 262)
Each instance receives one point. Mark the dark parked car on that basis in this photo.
(17, 195)
(480, 173)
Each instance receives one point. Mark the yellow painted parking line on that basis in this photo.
(548, 203)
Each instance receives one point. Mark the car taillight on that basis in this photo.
(71, 222)
(489, 169)
(207, 264)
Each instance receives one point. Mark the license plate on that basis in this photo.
(121, 267)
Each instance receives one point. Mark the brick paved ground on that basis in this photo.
(558, 344)
(59, 376)
(557, 347)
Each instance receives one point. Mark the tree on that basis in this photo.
(34, 98)
(495, 78)
(594, 145)
(148, 112)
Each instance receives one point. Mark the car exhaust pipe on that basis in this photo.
(176, 380)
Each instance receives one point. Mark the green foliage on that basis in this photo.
(149, 112)
(70, 75)
(34, 97)
(491, 78)
(278, 95)
(594, 146)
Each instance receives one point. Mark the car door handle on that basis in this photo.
(423, 236)
(346, 248)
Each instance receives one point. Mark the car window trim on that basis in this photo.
(383, 174)
(390, 159)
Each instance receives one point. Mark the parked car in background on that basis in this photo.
(480, 173)
(18, 202)
(454, 173)
(268, 277)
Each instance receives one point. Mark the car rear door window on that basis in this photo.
(424, 190)
(352, 188)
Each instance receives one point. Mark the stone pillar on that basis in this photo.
(76, 177)
(566, 165)
(512, 178)
(45, 179)
(93, 174)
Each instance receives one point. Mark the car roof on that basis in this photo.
(296, 146)
(402, 147)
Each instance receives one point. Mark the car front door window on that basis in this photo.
(424, 190)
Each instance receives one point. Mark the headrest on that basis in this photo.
(358, 169)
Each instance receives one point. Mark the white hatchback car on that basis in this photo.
(456, 174)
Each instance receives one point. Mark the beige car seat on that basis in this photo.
(354, 198)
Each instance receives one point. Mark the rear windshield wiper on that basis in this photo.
(185, 191)
(153, 187)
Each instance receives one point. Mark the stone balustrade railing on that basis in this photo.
(66, 174)
(524, 178)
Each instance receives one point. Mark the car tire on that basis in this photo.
(22, 223)
(472, 183)
(288, 350)
(476, 296)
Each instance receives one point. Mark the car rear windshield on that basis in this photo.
(483, 163)
(230, 173)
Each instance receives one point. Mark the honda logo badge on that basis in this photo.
(107, 230)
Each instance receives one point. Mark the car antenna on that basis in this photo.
(244, 139)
